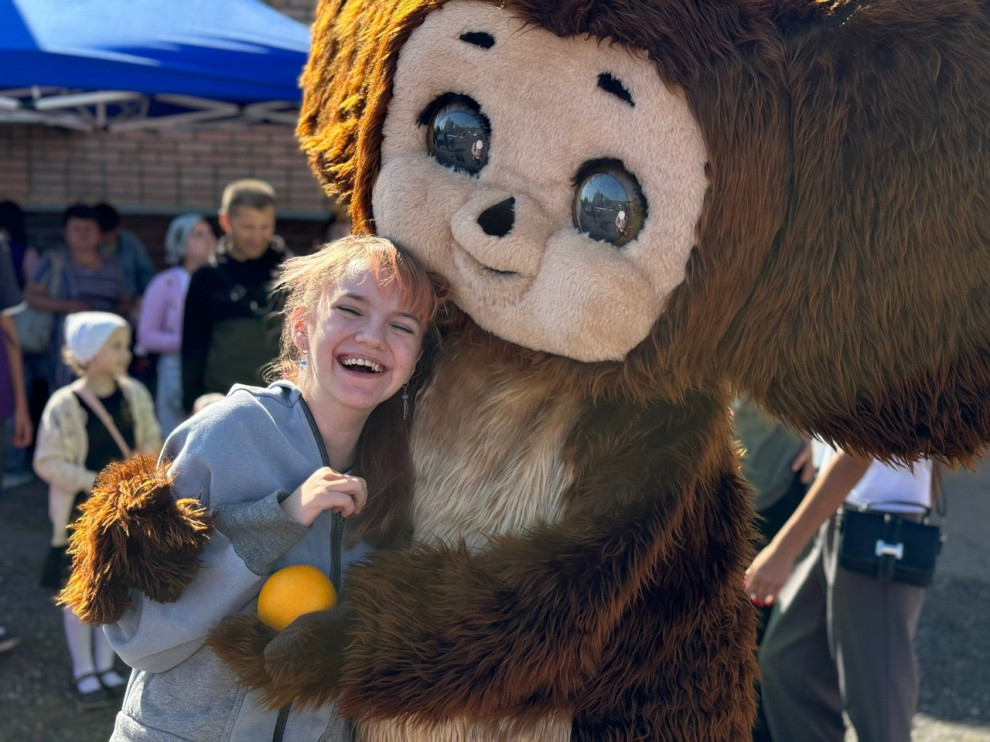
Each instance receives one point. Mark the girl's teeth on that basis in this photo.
(362, 362)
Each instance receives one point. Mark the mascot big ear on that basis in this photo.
(348, 84)
(869, 321)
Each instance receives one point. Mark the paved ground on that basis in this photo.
(954, 637)
(36, 703)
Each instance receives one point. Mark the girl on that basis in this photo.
(189, 241)
(281, 468)
(77, 438)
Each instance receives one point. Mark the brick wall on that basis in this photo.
(152, 175)
(167, 170)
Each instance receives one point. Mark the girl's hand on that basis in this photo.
(326, 489)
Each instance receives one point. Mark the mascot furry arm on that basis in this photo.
(133, 534)
(640, 207)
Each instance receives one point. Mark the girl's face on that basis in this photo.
(199, 246)
(114, 357)
(362, 343)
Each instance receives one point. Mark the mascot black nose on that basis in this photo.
(497, 220)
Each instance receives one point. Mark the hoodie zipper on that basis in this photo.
(337, 520)
(336, 540)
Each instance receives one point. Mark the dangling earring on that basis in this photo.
(405, 401)
(303, 363)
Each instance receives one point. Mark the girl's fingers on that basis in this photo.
(344, 506)
(356, 487)
(354, 495)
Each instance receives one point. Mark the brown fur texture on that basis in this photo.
(602, 616)
(241, 642)
(848, 163)
(133, 534)
(840, 277)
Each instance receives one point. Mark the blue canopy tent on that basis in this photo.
(126, 64)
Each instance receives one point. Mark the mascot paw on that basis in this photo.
(133, 534)
(240, 642)
(303, 661)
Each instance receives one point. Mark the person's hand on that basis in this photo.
(767, 575)
(77, 306)
(23, 428)
(303, 662)
(240, 641)
(804, 464)
(326, 489)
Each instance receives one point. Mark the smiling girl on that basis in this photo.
(300, 472)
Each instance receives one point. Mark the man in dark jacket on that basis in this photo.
(230, 328)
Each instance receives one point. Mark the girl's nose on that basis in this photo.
(373, 334)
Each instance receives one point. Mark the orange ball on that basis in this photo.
(292, 591)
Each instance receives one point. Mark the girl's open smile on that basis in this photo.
(360, 365)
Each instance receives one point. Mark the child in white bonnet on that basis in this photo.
(103, 416)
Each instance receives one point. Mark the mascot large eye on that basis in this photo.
(458, 133)
(608, 203)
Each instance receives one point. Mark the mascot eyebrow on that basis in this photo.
(606, 80)
(611, 84)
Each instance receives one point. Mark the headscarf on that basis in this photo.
(176, 236)
(86, 332)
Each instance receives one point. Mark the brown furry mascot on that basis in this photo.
(641, 207)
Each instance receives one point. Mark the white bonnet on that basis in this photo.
(86, 332)
(176, 236)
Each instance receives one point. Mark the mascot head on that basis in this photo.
(790, 199)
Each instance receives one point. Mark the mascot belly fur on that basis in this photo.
(571, 579)
(641, 208)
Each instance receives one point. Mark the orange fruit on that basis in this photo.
(292, 591)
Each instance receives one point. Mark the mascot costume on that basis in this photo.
(641, 207)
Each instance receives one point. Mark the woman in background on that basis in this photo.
(189, 242)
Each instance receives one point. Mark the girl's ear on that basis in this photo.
(299, 321)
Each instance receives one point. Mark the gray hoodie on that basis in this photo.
(239, 456)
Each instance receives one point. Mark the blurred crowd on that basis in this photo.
(187, 333)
